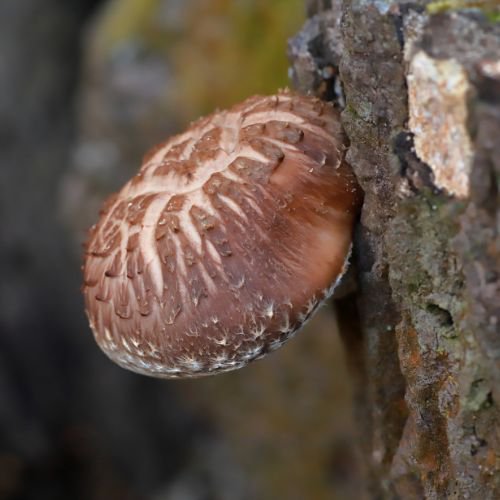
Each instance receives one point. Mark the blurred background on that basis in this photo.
(86, 87)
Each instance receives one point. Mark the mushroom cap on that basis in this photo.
(226, 240)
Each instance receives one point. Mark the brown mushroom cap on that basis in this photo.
(224, 243)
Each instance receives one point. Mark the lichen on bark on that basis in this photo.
(422, 111)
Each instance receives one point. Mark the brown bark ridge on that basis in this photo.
(421, 97)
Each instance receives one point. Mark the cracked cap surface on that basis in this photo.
(225, 241)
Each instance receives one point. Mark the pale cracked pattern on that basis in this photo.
(226, 240)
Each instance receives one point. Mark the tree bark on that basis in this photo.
(420, 87)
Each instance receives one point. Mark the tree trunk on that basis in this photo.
(421, 97)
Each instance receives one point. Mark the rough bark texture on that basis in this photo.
(422, 111)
